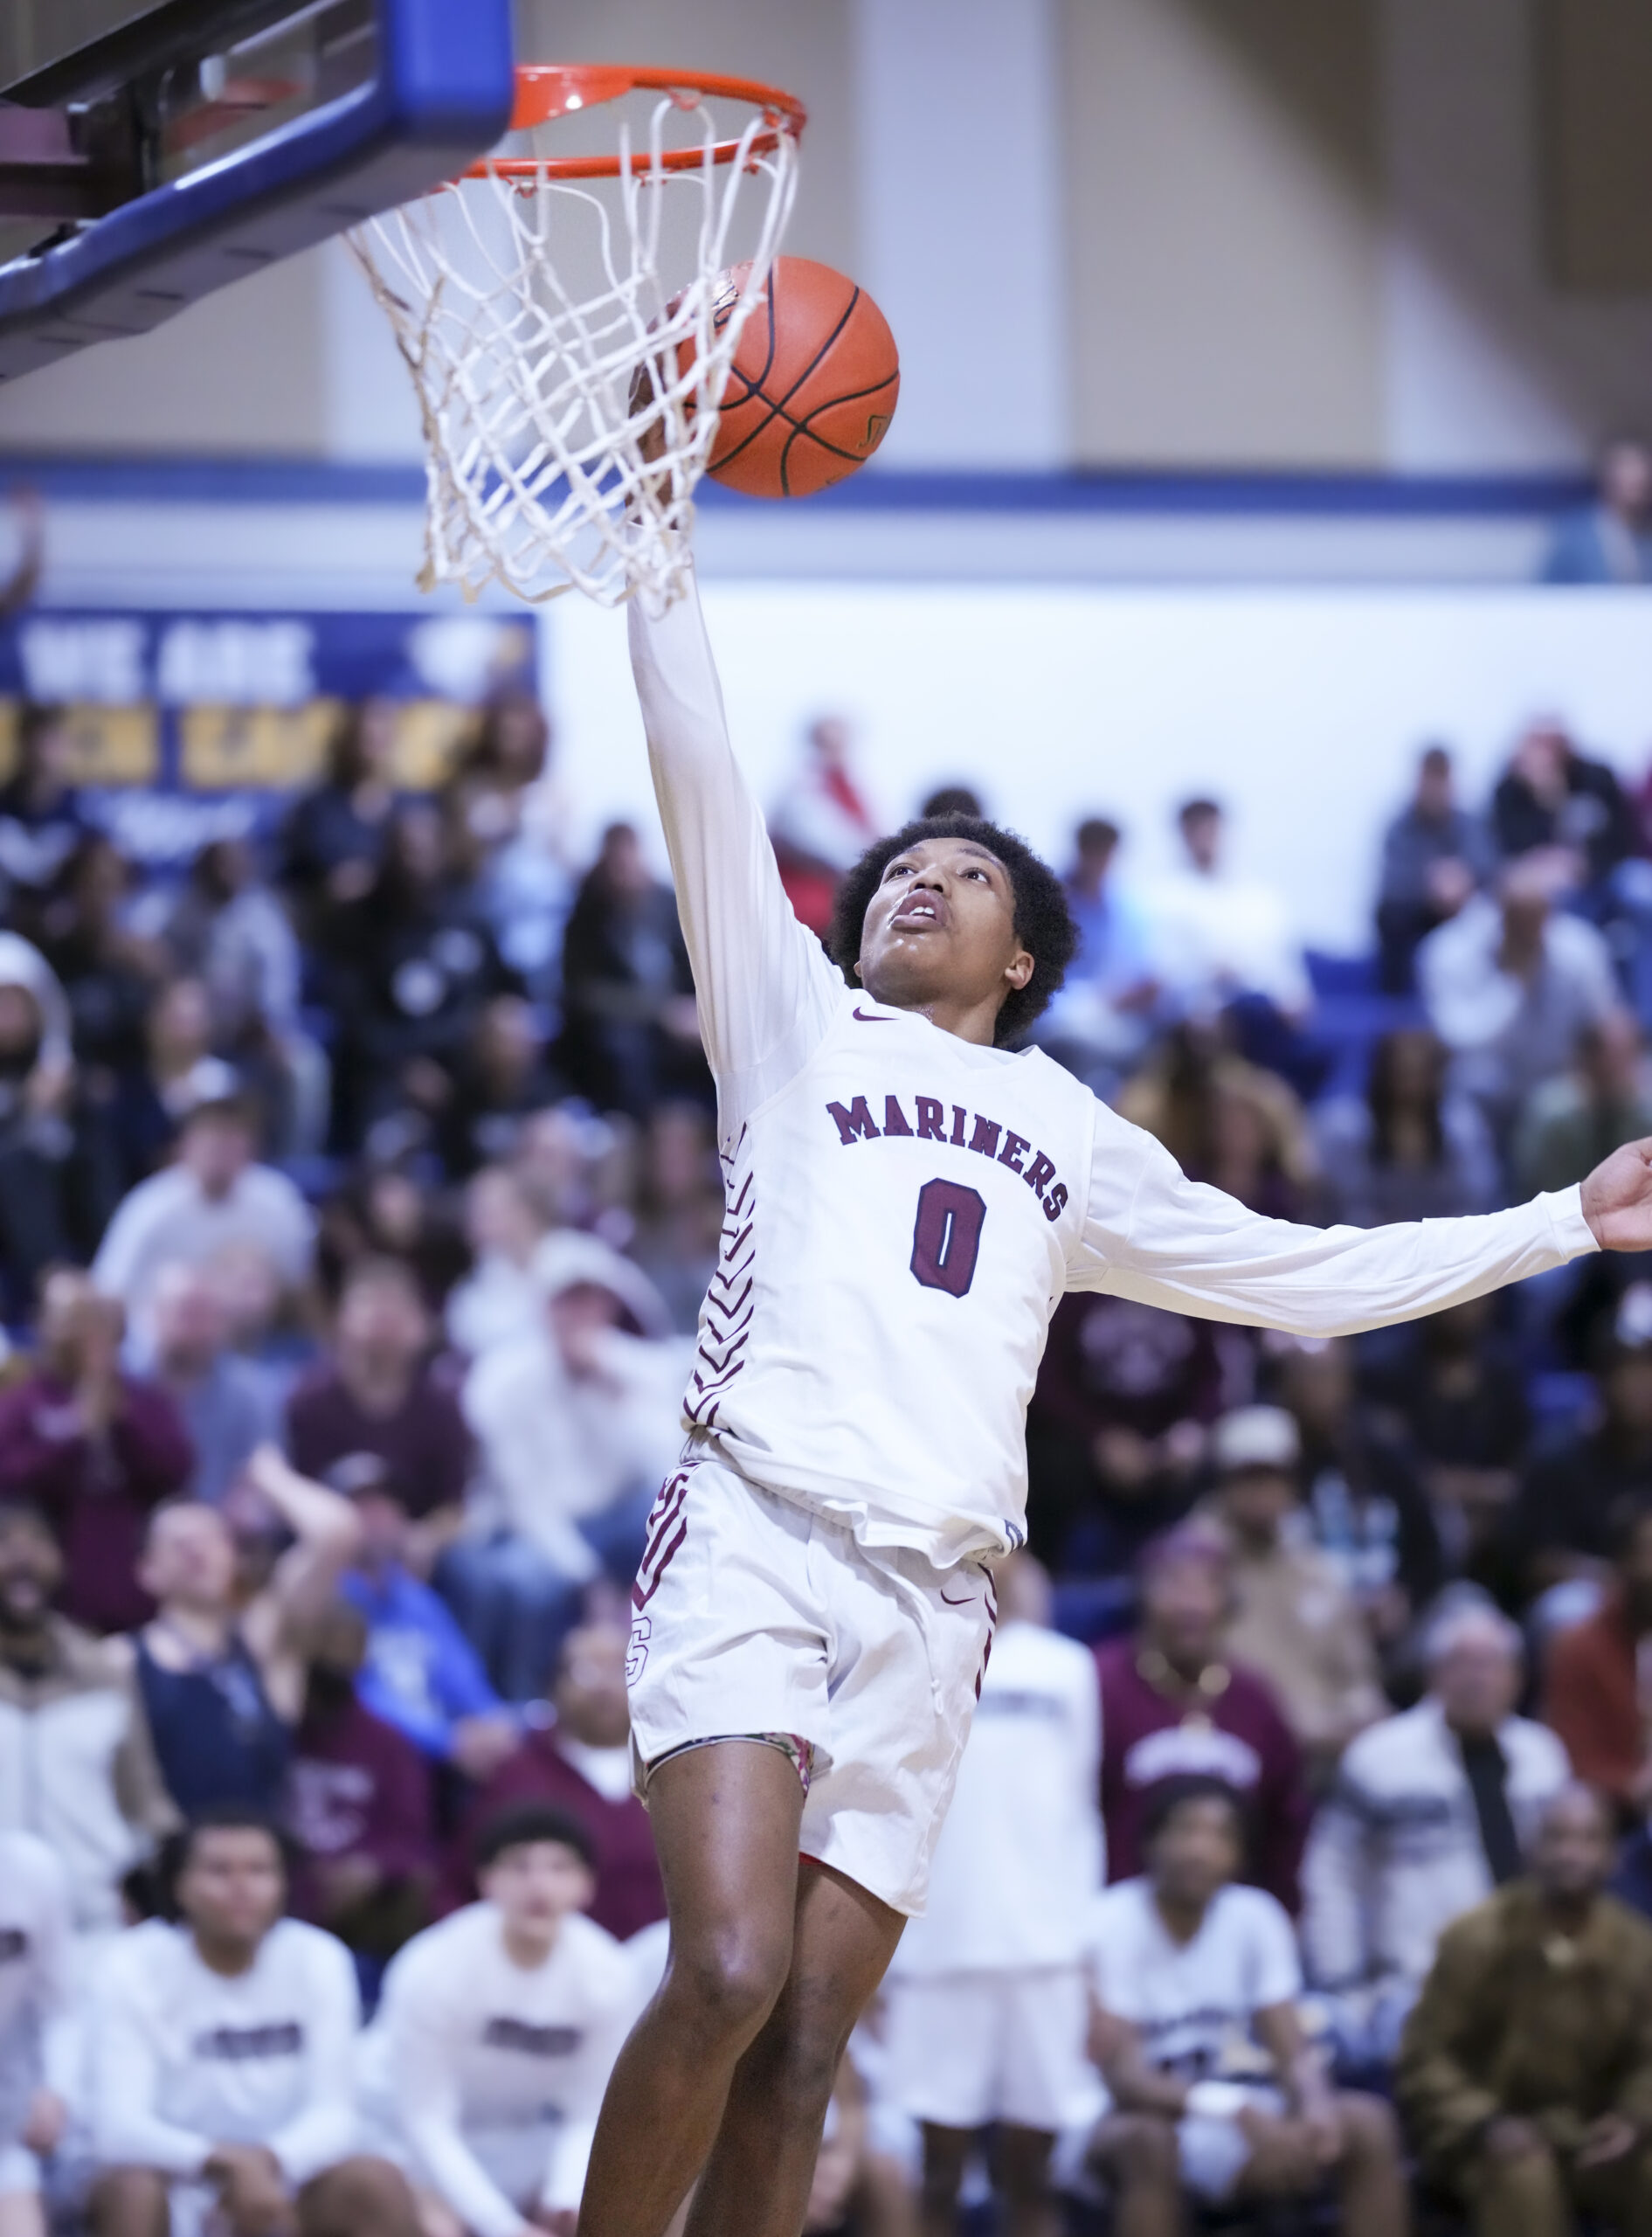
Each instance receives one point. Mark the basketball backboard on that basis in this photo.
(150, 154)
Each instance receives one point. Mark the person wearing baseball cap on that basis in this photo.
(1293, 1618)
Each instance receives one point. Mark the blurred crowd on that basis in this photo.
(359, 1193)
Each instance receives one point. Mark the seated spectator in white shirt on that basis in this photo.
(222, 2061)
(36, 2026)
(213, 1197)
(1432, 1811)
(987, 1995)
(1216, 935)
(498, 2031)
(577, 1422)
(1197, 1984)
(1511, 982)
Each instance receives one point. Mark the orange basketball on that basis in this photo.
(813, 384)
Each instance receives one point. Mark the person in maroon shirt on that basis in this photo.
(1171, 1707)
(581, 1764)
(96, 1449)
(358, 1804)
(382, 1395)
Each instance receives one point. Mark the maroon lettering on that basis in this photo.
(984, 1140)
(893, 1117)
(931, 1119)
(1055, 1202)
(1011, 1152)
(958, 1127)
(856, 1124)
(946, 1237)
(1041, 1171)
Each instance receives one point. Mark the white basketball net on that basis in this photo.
(527, 380)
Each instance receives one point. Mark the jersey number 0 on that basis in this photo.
(946, 1237)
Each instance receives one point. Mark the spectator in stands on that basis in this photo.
(500, 1080)
(1116, 1431)
(1434, 854)
(95, 1448)
(1509, 983)
(1191, 1973)
(579, 1763)
(1216, 935)
(335, 834)
(421, 1674)
(1552, 797)
(387, 1209)
(77, 1765)
(1293, 1619)
(1610, 540)
(1572, 1121)
(1594, 1689)
(222, 1675)
(499, 1300)
(498, 2030)
(358, 1804)
(178, 1073)
(1226, 1121)
(229, 930)
(416, 966)
(227, 1404)
(576, 1424)
(41, 817)
(37, 2047)
(1456, 1394)
(1363, 1505)
(380, 1394)
(222, 2053)
(57, 1182)
(1525, 2076)
(1099, 1021)
(680, 1206)
(1171, 1705)
(108, 971)
(1566, 1518)
(821, 825)
(215, 1196)
(1432, 1809)
(987, 1999)
(1411, 1147)
(631, 1033)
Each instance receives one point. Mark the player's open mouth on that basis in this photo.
(913, 914)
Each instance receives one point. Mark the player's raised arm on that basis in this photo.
(766, 991)
(1153, 1235)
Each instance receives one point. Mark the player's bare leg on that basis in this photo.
(1137, 2153)
(757, 2180)
(1021, 2169)
(946, 2153)
(725, 1822)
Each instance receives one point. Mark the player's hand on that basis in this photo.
(251, 2191)
(1324, 2131)
(1617, 1198)
(1283, 2161)
(48, 2116)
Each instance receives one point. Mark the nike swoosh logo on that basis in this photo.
(968, 1600)
(870, 1017)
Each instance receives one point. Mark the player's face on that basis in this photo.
(940, 927)
(1196, 1851)
(535, 1884)
(234, 1884)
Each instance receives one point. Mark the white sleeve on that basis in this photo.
(126, 2129)
(1334, 1889)
(1276, 1969)
(766, 991)
(582, 2097)
(60, 2031)
(426, 2083)
(125, 1243)
(1152, 1234)
(323, 2131)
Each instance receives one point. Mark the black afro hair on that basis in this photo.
(1043, 922)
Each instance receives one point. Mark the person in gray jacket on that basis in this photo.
(1431, 1810)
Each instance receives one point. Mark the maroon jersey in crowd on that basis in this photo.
(423, 1443)
(358, 1787)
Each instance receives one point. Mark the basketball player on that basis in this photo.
(907, 1201)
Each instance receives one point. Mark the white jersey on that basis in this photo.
(1192, 2003)
(185, 2058)
(496, 2072)
(36, 1940)
(1019, 1858)
(904, 1209)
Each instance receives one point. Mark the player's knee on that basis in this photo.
(128, 2202)
(727, 1985)
(1140, 2151)
(363, 2196)
(1369, 2128)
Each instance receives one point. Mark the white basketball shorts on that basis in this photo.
(754, 1616)
(966, 2048)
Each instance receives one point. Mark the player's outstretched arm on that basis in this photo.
(1152, 1235)
(765, 990)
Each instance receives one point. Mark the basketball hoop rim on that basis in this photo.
(547, 90)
